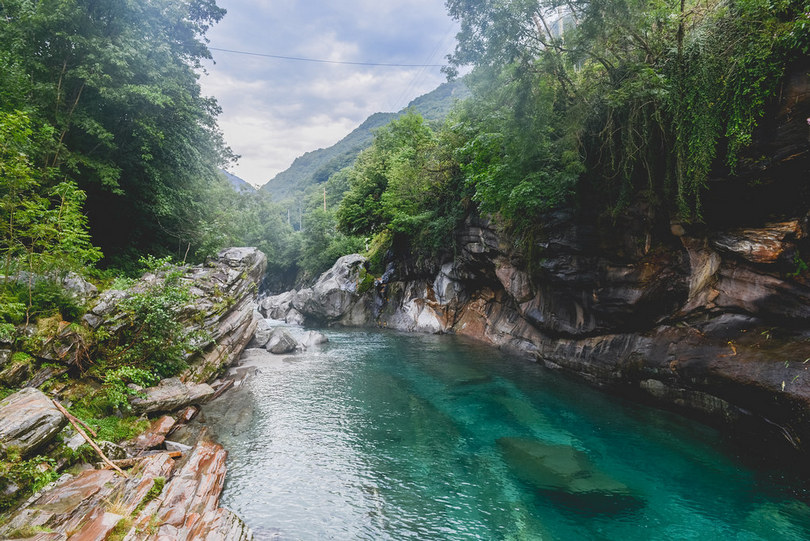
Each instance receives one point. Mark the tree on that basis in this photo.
(649, 95)
(43, 231)
(117, 82)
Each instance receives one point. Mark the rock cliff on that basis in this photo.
(223, 302)
(710, 319)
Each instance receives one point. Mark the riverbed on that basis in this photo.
(379, 435)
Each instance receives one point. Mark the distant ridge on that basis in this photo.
(317, 166)
(240, 185)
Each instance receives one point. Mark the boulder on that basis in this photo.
(566, 476)
(312, 338)
(276, 306)
(264, 329)
(222, 308)
(16, 373)
(171, 394)
(281, 341)
(334, 293)
(28, 420)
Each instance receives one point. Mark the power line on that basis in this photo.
(321, 61)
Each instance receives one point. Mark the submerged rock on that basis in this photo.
(312, 338)
(566, 476)
(28, 420)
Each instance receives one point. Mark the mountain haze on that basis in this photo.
(317, 166)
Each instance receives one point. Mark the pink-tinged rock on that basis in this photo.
(760, 245)
(28, 419)
(98, 526)
(153, 437)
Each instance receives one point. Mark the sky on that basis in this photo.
(275, 110)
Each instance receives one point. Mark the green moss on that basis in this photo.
(27, 531)
(154, 492)
(365, 281)
(21, 357)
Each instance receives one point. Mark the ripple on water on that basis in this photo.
(379, 435)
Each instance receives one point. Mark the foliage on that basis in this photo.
(153, 343)
(407, 187)
(98, 415)
(43, 232)
(29, 475)
(116, 383)
(617, 97)
(115, 83)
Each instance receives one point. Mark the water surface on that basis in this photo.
(379, 435)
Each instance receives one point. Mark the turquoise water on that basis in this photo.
(387, 436)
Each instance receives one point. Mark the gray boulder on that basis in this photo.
(312, 338)
(281, 341)
(264, 330)
(169, 395)
(28, 420)
(335, 292)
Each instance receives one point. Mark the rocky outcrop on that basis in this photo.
(155, 501)
(28, 420)
(223, 302)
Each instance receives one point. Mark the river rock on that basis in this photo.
(566, 476)
(281, 341)
(312, 338)
(28, 420)
(171, 394)
(334, 293)
(264, 329)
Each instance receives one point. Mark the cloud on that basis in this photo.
(275, 110)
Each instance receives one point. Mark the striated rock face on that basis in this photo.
(224, 300)
(156, 501)
(28, 420)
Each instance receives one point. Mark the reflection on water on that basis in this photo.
(387, 436)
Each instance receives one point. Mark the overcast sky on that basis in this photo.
(275, 110)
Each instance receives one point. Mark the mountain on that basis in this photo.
(317, 166)
(240, 185)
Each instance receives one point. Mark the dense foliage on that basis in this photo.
(618, 97)
(111, 91)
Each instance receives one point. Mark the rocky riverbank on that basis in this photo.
(166, 482)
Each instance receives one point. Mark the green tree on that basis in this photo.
(117, 82)
(43, 232)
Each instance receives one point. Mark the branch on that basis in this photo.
(95, 447)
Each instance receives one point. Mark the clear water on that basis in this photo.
(387, 436)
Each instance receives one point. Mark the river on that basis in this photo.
(378, 435)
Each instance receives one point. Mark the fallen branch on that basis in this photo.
(87, 438)
(130, 462)
(224, 387)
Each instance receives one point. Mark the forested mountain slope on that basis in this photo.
(317, 166)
